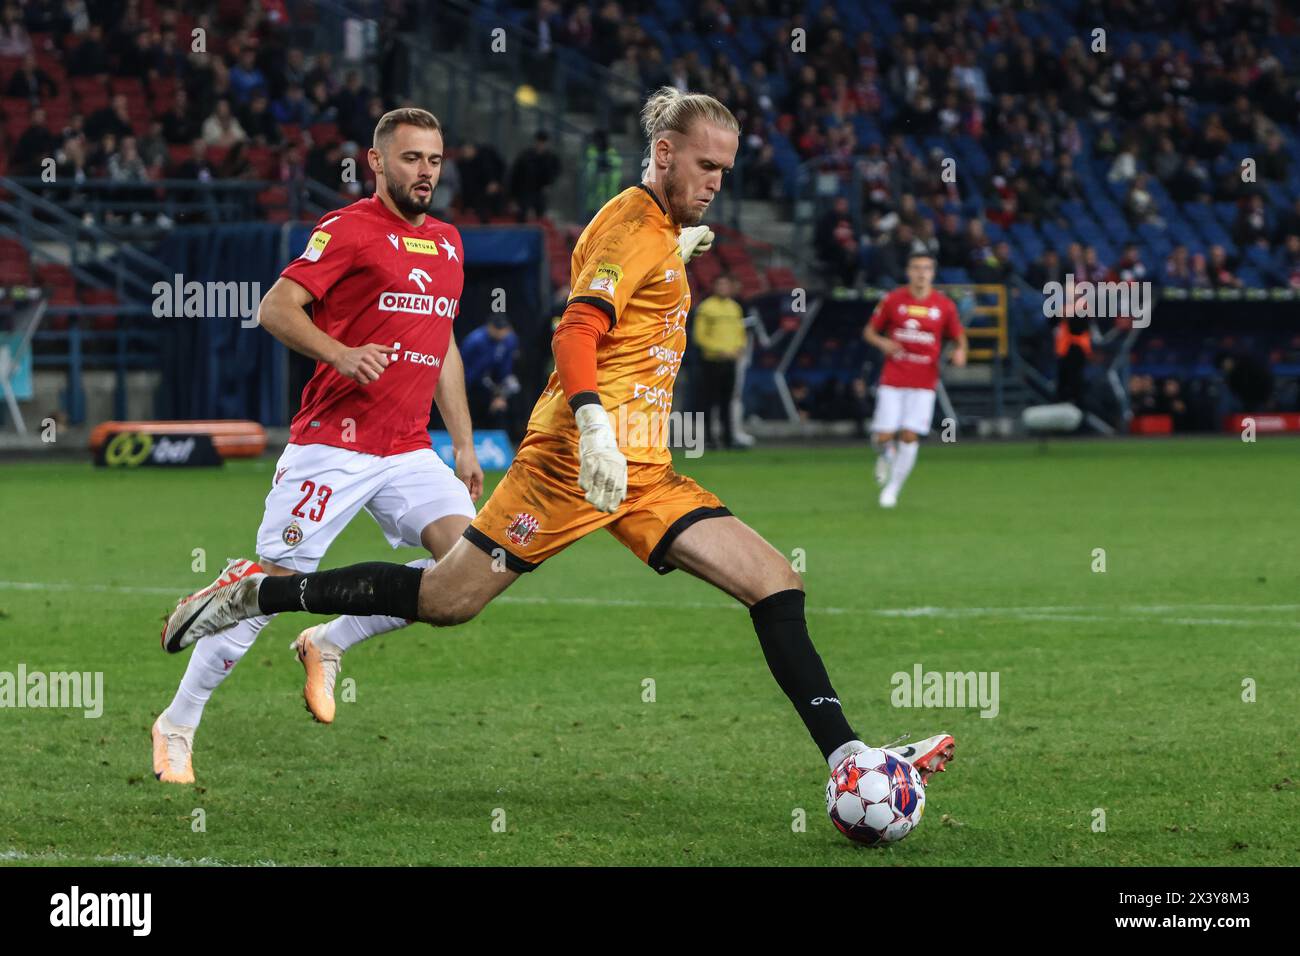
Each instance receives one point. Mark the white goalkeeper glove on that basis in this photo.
(693, 241)
(602, 473)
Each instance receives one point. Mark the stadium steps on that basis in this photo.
(973, 393)
(495, 115)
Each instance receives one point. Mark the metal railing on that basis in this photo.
(88, 209)
(35, 220)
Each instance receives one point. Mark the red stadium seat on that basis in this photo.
(101, 323)
(64, 295)
(274, 203)
(732, 254)
(15, 267)
(53, 275)
(90, 93)
(324, 133)
(130, 85)
(263, 161)
(781, 277)
(52, 63)
(57, 112)
(163, 86)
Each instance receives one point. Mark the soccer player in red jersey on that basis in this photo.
(909, 327)
(383, 280)
(617, 349)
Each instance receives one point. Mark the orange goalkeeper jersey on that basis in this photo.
(627, 264)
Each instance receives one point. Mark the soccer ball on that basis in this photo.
(875, 797)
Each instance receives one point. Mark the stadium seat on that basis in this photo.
(325, 133)
(101, 297)
(15, 266)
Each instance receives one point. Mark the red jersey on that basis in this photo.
(376, 278)
(920, 326)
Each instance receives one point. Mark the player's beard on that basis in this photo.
(405, 200)
(680, 206)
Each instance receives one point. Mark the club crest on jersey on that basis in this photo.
(292, 535)
(315, 245)
(522, 529)
(607, 277)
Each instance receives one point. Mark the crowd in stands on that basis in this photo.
(1054, 140)
(998, 135)
(136, 102)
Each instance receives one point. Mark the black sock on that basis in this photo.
(361, 589)
(794, 662)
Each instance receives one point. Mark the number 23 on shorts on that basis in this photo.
(322, 495)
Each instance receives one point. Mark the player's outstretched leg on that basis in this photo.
(320, 650)
(452, 592)
(733, 557)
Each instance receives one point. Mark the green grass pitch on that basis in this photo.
(1120, 692)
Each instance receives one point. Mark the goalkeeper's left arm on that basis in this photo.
(602, 470)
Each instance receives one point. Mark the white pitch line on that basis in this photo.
(49, 856)
(1072, 612)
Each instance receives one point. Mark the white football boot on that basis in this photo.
(226, 601)
(929, 756)
(173, 751)
(887, 498)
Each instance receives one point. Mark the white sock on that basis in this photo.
(211, 661)
(902, 466)
(344, 632)
(852, 747)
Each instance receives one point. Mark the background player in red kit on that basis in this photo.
(909, 326)
(384, 281)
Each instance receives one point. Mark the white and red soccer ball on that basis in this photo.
(875, 797)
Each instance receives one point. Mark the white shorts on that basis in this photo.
(903, 409)
(318, 489)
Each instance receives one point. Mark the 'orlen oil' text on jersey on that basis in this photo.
(920, 326)
(627, 264)
(376, 278)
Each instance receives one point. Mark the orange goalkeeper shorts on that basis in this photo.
(538, 509)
